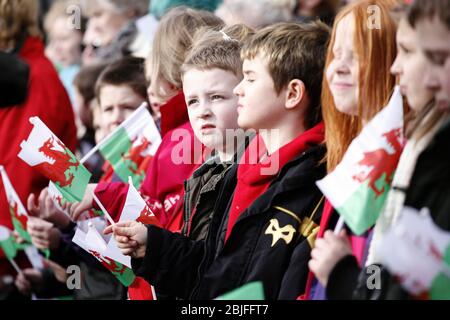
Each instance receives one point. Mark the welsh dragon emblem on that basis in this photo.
(134, 160)
(381, 162)
(111, 265)
(147, 217)
(59, 162)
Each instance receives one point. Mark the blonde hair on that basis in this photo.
(172, 41)
(218, 49)
(376, 49)
(17, 16)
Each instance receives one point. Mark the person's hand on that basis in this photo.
(47, 210)
(29, 280)
(59, 272)
(43, 234)
(328, 251)
(131, 238)
(77, 209)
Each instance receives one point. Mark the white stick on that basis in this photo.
(101, 143)
(103, 209)
(14, 264)
(339, 226)
(154, 293)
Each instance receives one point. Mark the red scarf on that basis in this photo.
(253, 179)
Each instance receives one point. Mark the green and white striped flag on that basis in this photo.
(359, 185)
(132, 145)
(44, 151)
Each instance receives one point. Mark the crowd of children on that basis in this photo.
(252, 114)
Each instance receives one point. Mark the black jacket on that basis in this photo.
(200, 197)
(259, 248)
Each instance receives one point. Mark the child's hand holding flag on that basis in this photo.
(131, 238)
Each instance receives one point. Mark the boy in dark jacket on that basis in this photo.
(271, 220)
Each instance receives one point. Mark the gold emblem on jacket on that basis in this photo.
(286, 233)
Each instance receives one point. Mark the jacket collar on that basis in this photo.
(292, 177)
(257, 174)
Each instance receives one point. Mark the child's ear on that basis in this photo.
(295, 93)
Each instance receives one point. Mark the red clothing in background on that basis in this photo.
(48, 100)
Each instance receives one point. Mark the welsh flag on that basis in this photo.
(250, 291)
(89, 236)
(359, 185)
(135, 207)
(130, 148)
(7, 243)
(417, 252)
(18, 213)
(45, 151)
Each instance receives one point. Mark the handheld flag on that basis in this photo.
(131, 146)
(18, 213)
(89, 237)
(45, 152)
(359, 185)
(420, 256)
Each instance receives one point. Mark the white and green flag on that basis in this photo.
(18, 213)
(130, 148)
(359, 185)
(45, 152)
(7, 243)
(89, 236)
(417, 252)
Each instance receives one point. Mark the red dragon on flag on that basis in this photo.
(147, 217)
(61, 162)
(381, 162)
(134, 160)
(110, 264)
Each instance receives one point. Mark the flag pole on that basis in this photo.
(101, 143)
(339, 226)
(14, 264)
(154, 293)
(108, 216)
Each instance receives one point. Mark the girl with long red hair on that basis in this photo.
(356, 86)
